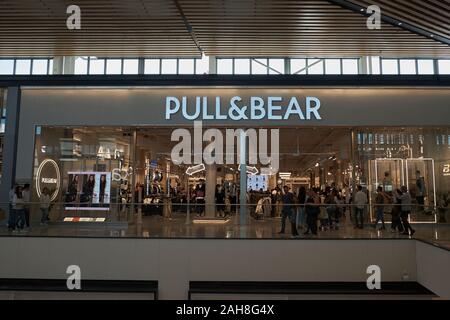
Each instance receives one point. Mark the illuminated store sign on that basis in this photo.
(48, 176)
(446, 170)
(235, 108)
(254, 108)
(195, 169)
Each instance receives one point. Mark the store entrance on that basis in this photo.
(307, 157)
(128, 174)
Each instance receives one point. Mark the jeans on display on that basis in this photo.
(44, 216)
(379, 216)
(359, 217)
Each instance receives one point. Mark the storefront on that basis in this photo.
(101, 150)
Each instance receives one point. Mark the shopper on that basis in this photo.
(18, 207)
(442, 209)
(346, 195)
(12, 217)
(278, 201)
(360, 205)
(330, 201)
(312, 212)
(220, 200)
(301, 198)
(340, 206)
(379, 207)
(405, 199)
(420, 191)
(287, 212)
(396, 222)
(45, 205)
(26, 198)
(200, 191)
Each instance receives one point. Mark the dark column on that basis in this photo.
(10, 144)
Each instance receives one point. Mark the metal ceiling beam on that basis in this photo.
(392, 21)
(188, 26)
(338, 81)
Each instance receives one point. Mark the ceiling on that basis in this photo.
(318, 28)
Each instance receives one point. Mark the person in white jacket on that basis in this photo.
(361, 203)
(45, 205)
(18, 205)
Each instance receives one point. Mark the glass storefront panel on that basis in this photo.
(2, 126)
(417, 158)
(129, 175)
(85, 171)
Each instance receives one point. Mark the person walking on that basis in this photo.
(45, 205)
(287, 212)
(420, 191)
(360, 203)
(396, 222)
(379, 207)
(301, 198)
(331, 208)
(405, 200)
(312, 212)
(26, 195)
(18, 207)
(219, 196)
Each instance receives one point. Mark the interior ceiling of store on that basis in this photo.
(222, 28)
(300, 148)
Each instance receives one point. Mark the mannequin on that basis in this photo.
(200, 190)
(220, 200)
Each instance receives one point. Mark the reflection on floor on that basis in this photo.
(159, 227)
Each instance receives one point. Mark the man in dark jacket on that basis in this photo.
(288, 211)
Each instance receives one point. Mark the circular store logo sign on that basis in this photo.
(48, 176)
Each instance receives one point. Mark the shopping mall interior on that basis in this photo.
(140, 178)
(323, 149)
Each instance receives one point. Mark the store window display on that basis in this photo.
(200, 192)
(120, 172)
(93, 164)
(405, 157)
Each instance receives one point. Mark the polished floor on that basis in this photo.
(268, 228)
